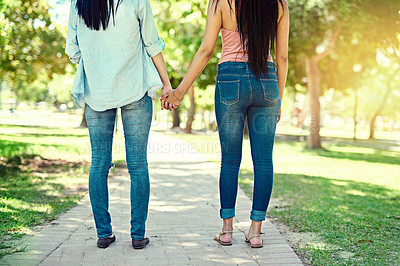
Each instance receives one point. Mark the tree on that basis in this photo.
(386, 34)
(316, 29)
(31, 47)
(389, 88)
(182, 24)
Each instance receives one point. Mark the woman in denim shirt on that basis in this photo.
(120, 65)
(248, 86)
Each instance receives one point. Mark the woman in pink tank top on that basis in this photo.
(249, 85)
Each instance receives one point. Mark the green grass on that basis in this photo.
(43, 173)
(350, 216)
(347, 194)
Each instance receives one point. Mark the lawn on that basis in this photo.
(43, 173)
(347, 195)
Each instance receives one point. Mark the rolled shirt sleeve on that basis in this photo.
(153, 44)
(72, 45)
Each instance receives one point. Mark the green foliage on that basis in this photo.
(59, 88)
(32, 47)
(367, 30)
(182, 25)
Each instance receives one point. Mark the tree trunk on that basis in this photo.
(190, 112)
(355, 113)
(389, 89)
(16, 103)
(372, 127)
(295, 113)
(314, 89)
(176, 119)
(83, 122)
(313, 85)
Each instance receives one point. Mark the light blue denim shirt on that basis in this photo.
(115, 67)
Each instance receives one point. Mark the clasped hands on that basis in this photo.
(169, 99)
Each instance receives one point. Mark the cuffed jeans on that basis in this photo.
(240, 95)
(136, 119)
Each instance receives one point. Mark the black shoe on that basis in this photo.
(139, 244)
(105, 242)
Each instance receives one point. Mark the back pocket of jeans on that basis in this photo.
(229, 91)
(136, 104)
(271, 90)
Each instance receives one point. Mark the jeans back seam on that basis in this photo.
(251, 88)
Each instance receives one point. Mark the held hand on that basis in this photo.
(171, 98)
(164, 104)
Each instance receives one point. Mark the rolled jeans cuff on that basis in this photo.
(227, 213)
(258, 216)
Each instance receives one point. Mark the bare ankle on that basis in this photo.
(227, 225)
(255, 228)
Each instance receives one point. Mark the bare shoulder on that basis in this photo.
(222, 5)
(284, 2)
(283, 8)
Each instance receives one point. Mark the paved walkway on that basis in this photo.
(183, 217)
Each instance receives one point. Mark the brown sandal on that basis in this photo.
(255, 245)
(218, 238)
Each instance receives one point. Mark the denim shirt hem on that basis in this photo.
(150, 91)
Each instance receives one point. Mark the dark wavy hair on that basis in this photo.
(257, 22)
(96, 12)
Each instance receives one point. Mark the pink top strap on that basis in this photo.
(232, 47)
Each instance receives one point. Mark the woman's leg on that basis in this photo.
(101, 130)
(262, 125)
(231, 100)
(230, 129)
(262, 116)
(136, 118)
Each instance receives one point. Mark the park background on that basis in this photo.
(337, 154)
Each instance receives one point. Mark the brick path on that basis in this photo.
(183, 217)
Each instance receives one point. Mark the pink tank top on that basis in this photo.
(232, 48)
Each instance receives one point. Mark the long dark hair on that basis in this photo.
(96, 12)
(257, 22)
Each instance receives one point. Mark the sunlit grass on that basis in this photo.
(355, 217)
(51, 142)
(37, 180)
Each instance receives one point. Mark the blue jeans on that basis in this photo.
(136, 119)
(239, 94)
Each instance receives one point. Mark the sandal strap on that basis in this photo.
(225, 232)
(256, 235)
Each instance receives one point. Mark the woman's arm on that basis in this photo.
(153, 45)
(282, 44)
(159, 63)
(203, 55)
(72, 46)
